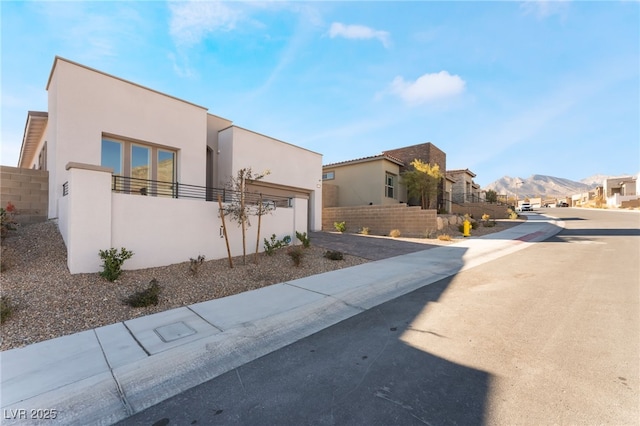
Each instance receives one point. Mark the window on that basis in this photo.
(328, 175)
(141, 163)
(166, 171)
(389, 186)
(112, 156)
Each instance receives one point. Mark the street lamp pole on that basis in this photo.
(518, 182)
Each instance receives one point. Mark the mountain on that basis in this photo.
(541, 185)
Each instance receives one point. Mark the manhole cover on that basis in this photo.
(175, 331)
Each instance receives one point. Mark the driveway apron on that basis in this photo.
(366, 246)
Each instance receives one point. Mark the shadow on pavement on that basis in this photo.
(356, 372)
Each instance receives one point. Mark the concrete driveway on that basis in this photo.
(369, 247)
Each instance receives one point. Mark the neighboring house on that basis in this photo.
(620, 190)
(106, 141)
(463, 189)
(377, 180)
(365, 181)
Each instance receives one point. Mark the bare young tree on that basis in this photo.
(240, 209)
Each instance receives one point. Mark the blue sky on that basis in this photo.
(504, 88)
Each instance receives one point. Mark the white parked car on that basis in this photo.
(526, 207)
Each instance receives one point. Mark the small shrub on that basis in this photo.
(194, 264)
(296, 254)
(271, 246)
(7, 223)
(112, 262)
(395, 233)
(146, 297)
(486, 217)
(512, 214)
(364, 230)
(444, 237)
(334, 255)
(340, 226)
(304, 239)
(6, 309)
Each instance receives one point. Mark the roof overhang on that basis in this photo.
(386, 157)
(33, 133)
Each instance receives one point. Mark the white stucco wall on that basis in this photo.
(84, 104)
(87, 222)
(164, 231)
(290, 165)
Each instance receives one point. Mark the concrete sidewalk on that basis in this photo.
(104, 375)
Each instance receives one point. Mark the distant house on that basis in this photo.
(132, 167)
(463, 188)
(620, 190)
(377, 180)
(371, 180)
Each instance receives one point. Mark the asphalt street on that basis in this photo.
(546, 335)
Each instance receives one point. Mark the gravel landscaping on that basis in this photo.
(49, 302)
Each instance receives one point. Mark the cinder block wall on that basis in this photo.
(380, 219)
(478, 209)
(27, 190)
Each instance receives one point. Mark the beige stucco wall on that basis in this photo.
(364, 183)
(85, 104)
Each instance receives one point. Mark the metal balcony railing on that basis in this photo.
(154, 188)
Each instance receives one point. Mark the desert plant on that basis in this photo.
(512, 214)
(340, 226)
(333, 255)
(296, 254)
(194, 264)
(364, 230)
(444, 237)
(146, 297)
(7, 222)
(112, 262)
(491, 196)
(304, 239)
(271, 246)
(6, 309)
(395, 233)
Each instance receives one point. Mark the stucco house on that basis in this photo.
(133, 167)
(620, 191)
(377, 180)
(463, 188)
(371, 180)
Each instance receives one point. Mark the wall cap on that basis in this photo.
(83, 166)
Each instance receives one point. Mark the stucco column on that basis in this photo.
(300, 216)
(88, 218)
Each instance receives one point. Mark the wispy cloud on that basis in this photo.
(191, 21)
(544, 8)
(427, 88)
(359, 32)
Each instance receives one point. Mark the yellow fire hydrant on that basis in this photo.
(466, 228)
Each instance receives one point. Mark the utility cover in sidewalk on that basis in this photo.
(175, 331)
